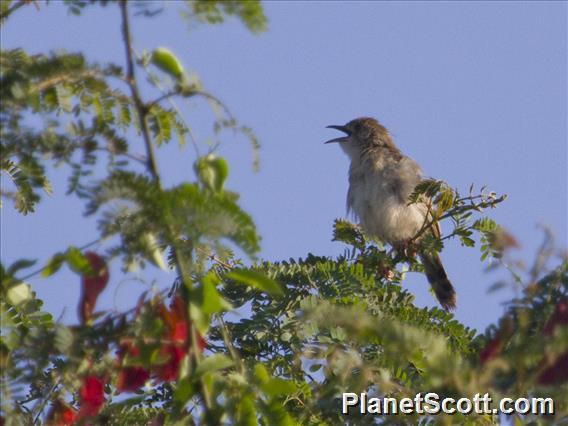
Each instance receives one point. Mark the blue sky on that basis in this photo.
(476, 92)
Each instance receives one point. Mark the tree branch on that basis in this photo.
(142, 110)
(38, 271)
(138, 104)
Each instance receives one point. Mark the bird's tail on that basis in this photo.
(443, 288)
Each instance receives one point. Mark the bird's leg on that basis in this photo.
(406, 249)
(385, 271)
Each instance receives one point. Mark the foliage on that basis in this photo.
(214, 12)
(308, 329)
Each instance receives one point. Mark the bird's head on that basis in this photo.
(361, 134)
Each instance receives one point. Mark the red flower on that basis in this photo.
(558, 317)
(92, 286)
(132, 378)
(179, 324)
(61, 414)
(557, 373)
(68, 416)
(492, 350)
(168, 371)
(177, 342)
(500, 339)
(92, 396)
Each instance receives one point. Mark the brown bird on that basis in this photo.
(381, 180)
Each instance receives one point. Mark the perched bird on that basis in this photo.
(381, 180)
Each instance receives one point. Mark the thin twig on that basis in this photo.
(142, 110)
(162, 98)
(168, 96)
(138, 104)
(45, 399)
(73, 78)
(142, 160)
(83, 247)
(226, 338)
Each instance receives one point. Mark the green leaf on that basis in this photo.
(53, 265)
(63, 338)
(77, 262)
(250, 12)
(485, 225)
(261, 374)
(246, 412)
(256, 280)
(154, 254)
(212, 301)
(278, 416)
(349, 233)
(63, 97)
(315, 367)
(279, 387)
(445, 200)
(20, 264)
(184, 391)
(427, 187)
(165, 60)
(467, 242)
(206, 301)
(125, 115)
(212, 172)
(213, 363)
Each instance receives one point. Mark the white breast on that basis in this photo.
(375, 198)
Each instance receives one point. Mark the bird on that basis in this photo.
(381, 179)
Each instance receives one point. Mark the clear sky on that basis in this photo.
(475, 92)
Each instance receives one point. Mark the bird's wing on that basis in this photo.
(409, 175)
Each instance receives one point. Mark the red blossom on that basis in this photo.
(557, 373)
(132, 378)
(169, 370)
(92, 396)
(492, 350)
(92, 286)
(177, 342)
(68, 416)
(179, 324)
(558, 318)
(61, 414)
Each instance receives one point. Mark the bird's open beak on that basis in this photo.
(341, 129)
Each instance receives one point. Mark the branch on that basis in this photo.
(202, 93)
(74, 77)
(142, 110)
(169, 95)
(138, 104)
(486, 201)
(142, 160)
(38, 271)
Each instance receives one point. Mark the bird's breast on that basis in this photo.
(375, 199)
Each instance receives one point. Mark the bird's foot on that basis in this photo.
(385, 271)
(406, 249)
